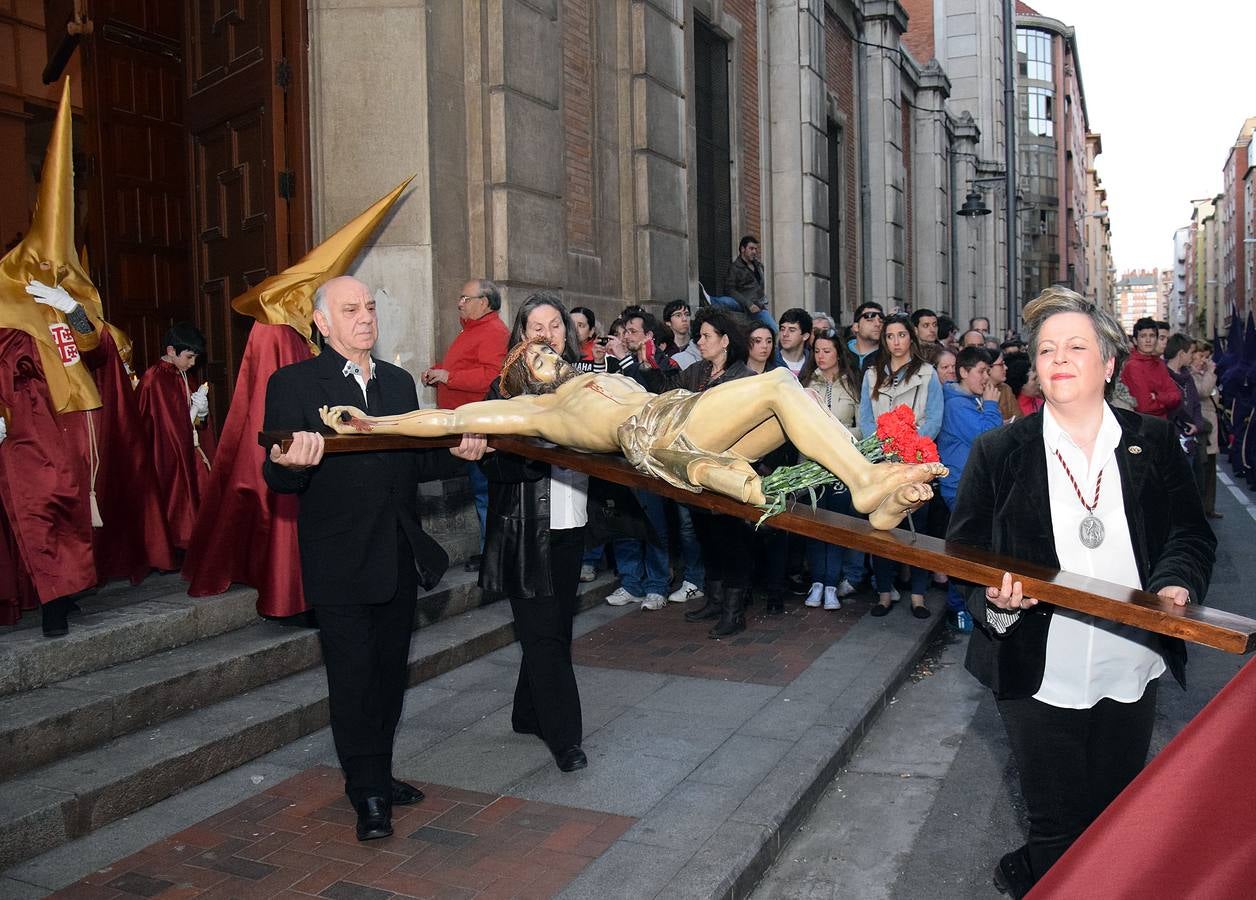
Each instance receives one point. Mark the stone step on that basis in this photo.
(52, 722)
(65, 799)
(120, 623)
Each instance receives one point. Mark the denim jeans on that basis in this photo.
(830, 563)
(690, 549)
(479, 491)
(644, 567)
(762, 315)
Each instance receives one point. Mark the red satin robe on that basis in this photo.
(245, 532)
(46, 540)
(134, 539)
(181, 472)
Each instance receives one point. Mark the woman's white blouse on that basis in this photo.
(1087, 658)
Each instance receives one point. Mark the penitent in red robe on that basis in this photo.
(134, 539)
(245, 532)
(181, 472)
(45, 530)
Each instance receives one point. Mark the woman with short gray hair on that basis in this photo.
(1101, 492)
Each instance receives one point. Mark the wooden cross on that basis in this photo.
(1092, 596)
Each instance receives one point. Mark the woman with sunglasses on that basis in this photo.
(831, 374)
(900, 378)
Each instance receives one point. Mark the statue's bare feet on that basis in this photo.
(884, 479)
(346, 419)
(895, 507)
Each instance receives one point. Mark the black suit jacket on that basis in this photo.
(353, 504)
(1002, 506)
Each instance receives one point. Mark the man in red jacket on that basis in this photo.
(1146, 375)
(471, 363)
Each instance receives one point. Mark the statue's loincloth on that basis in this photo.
(654, 440)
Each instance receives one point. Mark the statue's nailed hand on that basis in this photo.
(345, 419)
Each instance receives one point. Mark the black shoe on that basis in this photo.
(405, 794)
(712, 606)
(1012, 876)
(72, 608)
(571, 759)
(473, 563)
(374, 818)
(920, 612)
(733, 618)
(881, 609)
(56, 617)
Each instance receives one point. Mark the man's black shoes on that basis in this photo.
(405, 794)
(571, 759)
(374, 818)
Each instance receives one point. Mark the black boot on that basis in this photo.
(714, 605)
(733, 618)
(56, 617)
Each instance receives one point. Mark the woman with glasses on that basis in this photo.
(832, 376)
(900, 378)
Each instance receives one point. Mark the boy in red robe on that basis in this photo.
(175, 407)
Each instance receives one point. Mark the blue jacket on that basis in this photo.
(963, 419)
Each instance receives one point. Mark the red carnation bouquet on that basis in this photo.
(896, 440)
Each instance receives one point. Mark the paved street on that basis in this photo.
(929, 801)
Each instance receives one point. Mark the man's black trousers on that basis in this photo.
(365, 649)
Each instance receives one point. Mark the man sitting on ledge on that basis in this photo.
(692, 441)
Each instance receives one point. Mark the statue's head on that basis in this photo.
(533, 367)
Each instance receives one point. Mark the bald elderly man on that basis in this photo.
(364, 553)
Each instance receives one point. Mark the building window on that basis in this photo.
(1040, 111)
(836, 145)
(1034, 55)
(714, 163)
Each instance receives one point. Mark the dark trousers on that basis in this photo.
(1073, 763)
(1210, 483)
(727, 547)
(365, 649)
(547, 701)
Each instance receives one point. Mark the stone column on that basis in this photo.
(933, 215)
(369, 131)
(967, 231)
(884, 24)
(660, 192)
(798, 209)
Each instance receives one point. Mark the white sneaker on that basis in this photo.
(621, 597)
(587, 573)
(814, 596)
(654, 601)
(686, 592)
(845, 588)
(894, 595)
(830, 598)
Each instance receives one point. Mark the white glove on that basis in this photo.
(200, 402)
(4, 430)
(56, 297)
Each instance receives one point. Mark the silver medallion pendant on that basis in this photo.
(1091, 532)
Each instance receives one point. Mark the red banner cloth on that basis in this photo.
(43, 488)
(1186, 826)
(245, 532)
(134, 539)
(180, 471)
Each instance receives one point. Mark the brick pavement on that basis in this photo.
(772, 650)
(297, 840)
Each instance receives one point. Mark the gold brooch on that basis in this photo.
(1135, 449)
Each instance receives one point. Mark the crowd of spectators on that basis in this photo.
(958, 384)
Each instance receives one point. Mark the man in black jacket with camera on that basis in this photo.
(364, 553)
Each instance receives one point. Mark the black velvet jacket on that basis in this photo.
(1002, 506)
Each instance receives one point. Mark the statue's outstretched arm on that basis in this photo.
(518, 416)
